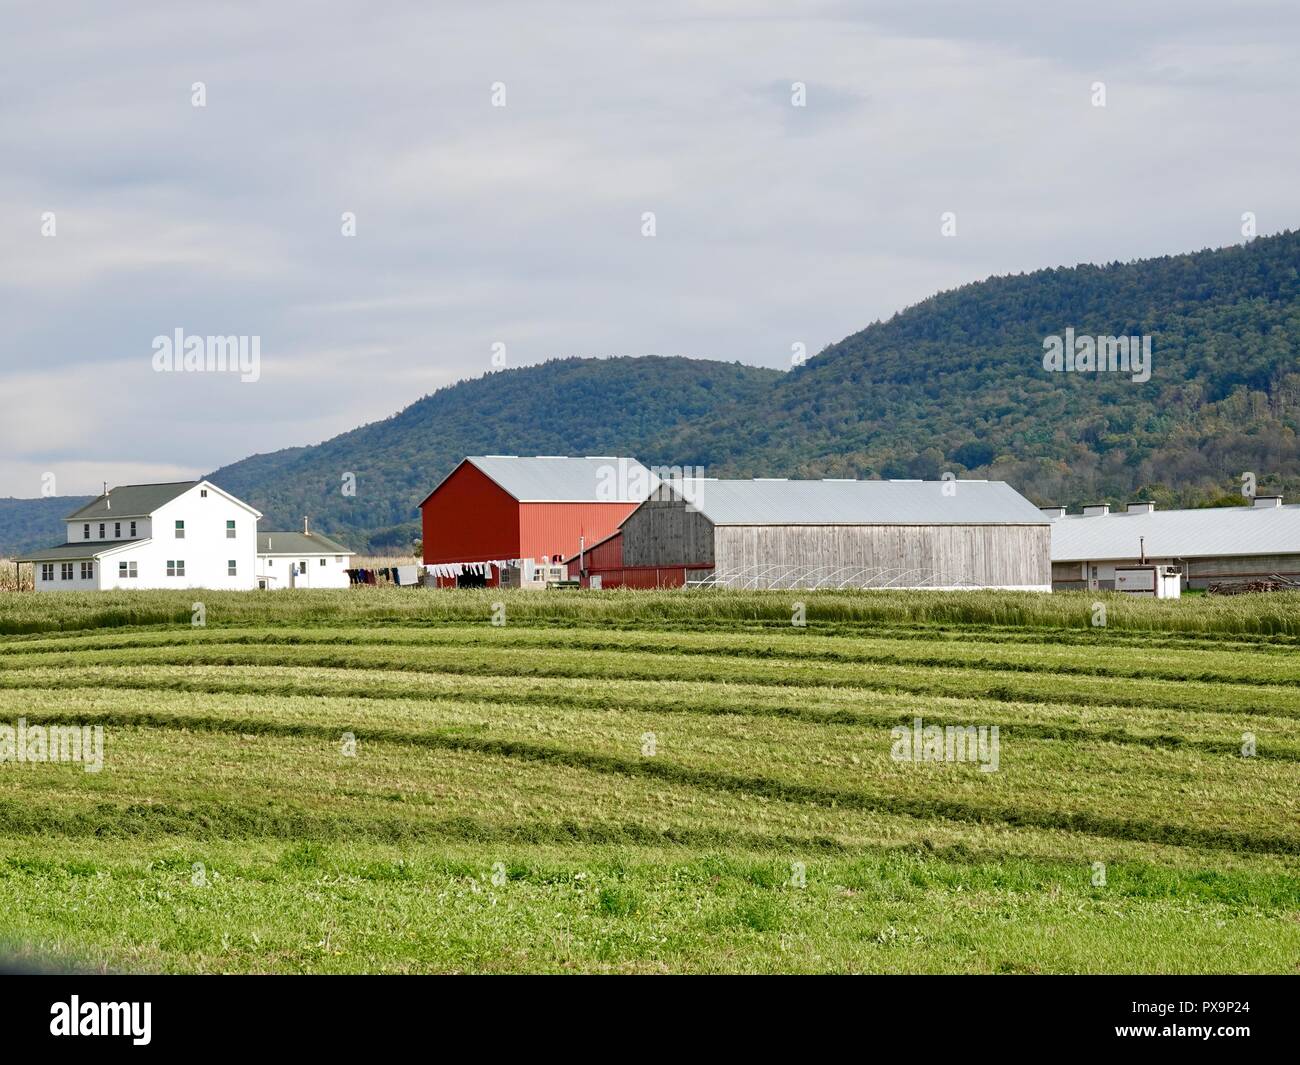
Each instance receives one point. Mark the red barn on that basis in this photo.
(600, 565)
(502, 512)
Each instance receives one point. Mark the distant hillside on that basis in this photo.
(957, 382)
(30, 523)
(954, 383)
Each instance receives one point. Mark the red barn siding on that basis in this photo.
(547, 529)
(469, 518)
(607, 554)
(605, 560)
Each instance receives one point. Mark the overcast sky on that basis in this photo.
(522, 225)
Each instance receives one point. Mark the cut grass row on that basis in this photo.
(650, 664)
(1076, 657)
(1274, 614)
(1132, 792)
(307, 907)
(143, 687)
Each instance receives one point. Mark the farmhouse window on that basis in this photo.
(85, 531)
(65, 571)
(127, 569)
(47, 571)
(176, 568)
(117, 530)
(132, 528)
(101, 530)
(322, 562)
(180, 529)
(230, 569)
(87, 571)
(230, 530)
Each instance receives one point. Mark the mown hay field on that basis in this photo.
(652, 782)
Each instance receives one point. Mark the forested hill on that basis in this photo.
(954, 383)
(957, 382)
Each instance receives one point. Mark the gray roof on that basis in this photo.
(131, 501)
(296, 543)
(1202, 533)
(846, 502)
(562, 479)
(80, 549)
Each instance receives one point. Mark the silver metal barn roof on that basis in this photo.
(565, 479)
(1203, 533)
(844, 502)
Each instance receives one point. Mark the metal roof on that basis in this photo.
(296, 543)
(1203, 533)
(81, 549)
(845, 502)
(131, 501)
(561, 479)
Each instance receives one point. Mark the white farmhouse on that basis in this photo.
(187, 534)
(301, 560)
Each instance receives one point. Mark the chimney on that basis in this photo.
(305, 530)
(1143, 507)
(1270, 502)
(108, 500)
(1053, 512)
(1093, 510)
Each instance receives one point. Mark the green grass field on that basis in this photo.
(652, 782)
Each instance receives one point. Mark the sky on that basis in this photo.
(499, 161)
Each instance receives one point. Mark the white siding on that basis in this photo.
(205, 548)
(277, 570)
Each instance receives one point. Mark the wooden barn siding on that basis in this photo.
(1017, 555)
(666, 533)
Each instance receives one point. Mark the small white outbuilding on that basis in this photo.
(301, 560)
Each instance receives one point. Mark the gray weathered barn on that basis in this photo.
(1209, 545)
(769, 533)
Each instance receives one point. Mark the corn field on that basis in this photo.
(9, 577)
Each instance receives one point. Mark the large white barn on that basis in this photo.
(185, 534)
